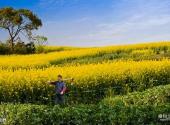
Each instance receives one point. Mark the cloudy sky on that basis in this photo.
(98, 22)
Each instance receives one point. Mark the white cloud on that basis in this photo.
(136, 23)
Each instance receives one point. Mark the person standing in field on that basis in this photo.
(60, 89)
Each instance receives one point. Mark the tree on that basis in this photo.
(4, 49)
(30, 47)
(40, 40)
(18, 21)
(20, 48)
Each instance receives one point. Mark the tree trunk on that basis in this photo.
(11, 42)
(12, 45)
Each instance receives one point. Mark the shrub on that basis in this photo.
(19, 48)
(153, 96)
(100, 114)
(4, 49)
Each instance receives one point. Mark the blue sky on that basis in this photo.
(98, 22)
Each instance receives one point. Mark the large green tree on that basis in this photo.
(17, 21)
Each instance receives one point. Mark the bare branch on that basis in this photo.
(9, 33)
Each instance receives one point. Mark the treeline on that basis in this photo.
(19, 48)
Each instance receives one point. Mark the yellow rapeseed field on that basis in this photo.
(30, 83)
(90, 74)
(39, 60)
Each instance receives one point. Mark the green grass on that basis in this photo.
(100, 114)
(153, 96)
(47, 49)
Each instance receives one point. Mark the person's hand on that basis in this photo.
(49, 82)
(61, 92)
(72, 80)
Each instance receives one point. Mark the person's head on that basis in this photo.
(59, 77)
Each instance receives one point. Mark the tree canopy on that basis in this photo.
(18, 21)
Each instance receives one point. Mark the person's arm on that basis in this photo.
(64, 89)
(52, 82)
(68, 79)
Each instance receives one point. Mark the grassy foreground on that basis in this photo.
(135, 108)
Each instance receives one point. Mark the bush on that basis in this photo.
(19, 48)
(101, 114)
(154, 96)
(22, 48)
(40, 49)
(4, 49)
(30, 47)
